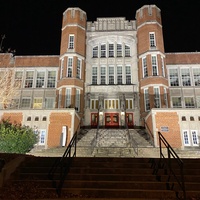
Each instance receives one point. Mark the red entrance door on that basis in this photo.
(111, 119)
(129, 119)
(94, 119)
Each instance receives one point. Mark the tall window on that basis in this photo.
(128, 74)
(18, 77)
(196, 75)
(61, 68)
(156, 97)
(111, 50)
(40, 79)
(185, 77)
(78, 69)
(152, 40)
(49, 103)
(119, 75)
(163, 66)
(95, 52)
(129, 103)
(154, 65)
(144, 67)
(146, 100)
(42, 137)
(94, 104)
(103, 51)
(119, 50)
(189, 102)
(51, 79)
(71, 42)
(111, 74)
(176, 102)
(29, 79)
(94, 75)
(186, 138)
(69, 67)
(103, 75)
(194, 135)
(165, 97)
(68, 98)
(78, 98)
(127, 51)
(111, 104)
(173, 77)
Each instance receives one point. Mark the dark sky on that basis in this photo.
(33, 27)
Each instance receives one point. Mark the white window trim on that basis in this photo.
(187, 136)
(156, 64)
(196, 136)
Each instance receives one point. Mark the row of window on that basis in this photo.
(111, 50)
(154, 64)
(184, 77)
(69, 71)
(191, 118)
(29, 118)
(111, 75)
(187, 102)
(111, 104)
(35, 78)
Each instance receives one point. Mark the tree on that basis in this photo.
(15, 138)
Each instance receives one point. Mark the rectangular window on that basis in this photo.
(165, 97)
(127, 51)
(176, 102)
(144, 67)
(186, 138)
(185, 77)
(189, 102)
(78, 98)
(196, 75)
(111, 104)
(152, 40)
(128, 75)
(194, 135)
(94, 104)
(49, 103)
(156, 97)
(129, 103)
(111, 75)
(119, 50)
(146, 100)
(37, 103)
(173, 77)
(18, 78)
(68, 98)
(61, 68)
(119, 75)
(94, 75)
(42, 136)
(40, 79)
(111, 50)
(103, 75)
(154, 66)
(26, 103)
(103, 51)
(71, 42)
(69, 67)
(95, 52)
(51, 81)
(78, 70)
(29, 79)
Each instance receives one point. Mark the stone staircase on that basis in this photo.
(101, 178)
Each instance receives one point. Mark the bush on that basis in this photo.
(15, 138)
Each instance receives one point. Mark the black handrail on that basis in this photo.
(62, 164)
(172, 154)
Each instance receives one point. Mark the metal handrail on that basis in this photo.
(172, 154)
(62, 164)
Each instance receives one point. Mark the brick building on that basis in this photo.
(108, 71)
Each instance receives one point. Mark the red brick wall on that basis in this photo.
(15, 118)
(57, 120)
(171, 120)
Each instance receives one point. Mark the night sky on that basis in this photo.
(33, 27)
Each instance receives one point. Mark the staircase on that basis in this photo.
(101, 179)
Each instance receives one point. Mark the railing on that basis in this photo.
(61, 165)
(170, 153)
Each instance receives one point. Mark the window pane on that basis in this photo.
(173, 76)
(40, 79)
(185, 75)
(51, 82)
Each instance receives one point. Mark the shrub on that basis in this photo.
(15, 138)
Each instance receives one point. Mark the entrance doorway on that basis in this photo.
(129, 120)
(94, 119)
(112, 120)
